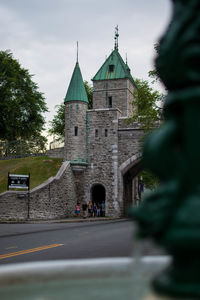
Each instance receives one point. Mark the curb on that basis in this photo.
(75, 220)
(68, 220)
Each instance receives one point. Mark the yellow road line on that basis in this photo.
(2, 256)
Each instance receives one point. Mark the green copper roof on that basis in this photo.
(76, 89)
(114, 68)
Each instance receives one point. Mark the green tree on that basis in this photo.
(146, 109)
(21, 104)
(89, 91)
(57, 125)
(153, 74)
(150, 180)
(148, 113)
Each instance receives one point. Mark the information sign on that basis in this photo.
(16, 181)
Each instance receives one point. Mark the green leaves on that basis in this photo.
(21, 104)
(146, 105)
(57, 125)
(148, 113)
(89, 91)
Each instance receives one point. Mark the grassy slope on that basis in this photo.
(40, 169)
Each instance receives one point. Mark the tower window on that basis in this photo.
(106, 132)
(111, 68)
(96, 133)
(76, 131)
(110, 102)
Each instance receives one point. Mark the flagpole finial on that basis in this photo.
(77, 53)
(116, 37)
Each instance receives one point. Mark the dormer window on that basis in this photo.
(111, 68)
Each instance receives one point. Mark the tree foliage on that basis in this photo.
(21, 104)
(57, 125)
(150, 180)
(22, 148)
(89, 91)
(147, 112)
(146, 109)
(153, 74)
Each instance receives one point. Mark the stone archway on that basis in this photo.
(129, 171)
(98, 193)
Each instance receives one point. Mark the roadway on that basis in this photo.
(55, 241)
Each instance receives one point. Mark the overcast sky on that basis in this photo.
(42, 35)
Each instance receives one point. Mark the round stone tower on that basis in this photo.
(76, 105)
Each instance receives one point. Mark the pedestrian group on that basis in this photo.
(91, 209)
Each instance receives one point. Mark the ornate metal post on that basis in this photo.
(171, 215)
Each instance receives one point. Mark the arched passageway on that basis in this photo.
(98, 194)
(130, 185)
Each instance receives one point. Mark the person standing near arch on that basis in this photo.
(94, 210)
(84, 209)
(103, 208)
(90, 209)
(77, 210)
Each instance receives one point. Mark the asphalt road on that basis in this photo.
(39, 242)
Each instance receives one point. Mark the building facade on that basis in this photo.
(102, 147)
(102, 152)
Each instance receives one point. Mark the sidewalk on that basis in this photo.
(67, 220)
(76, 219)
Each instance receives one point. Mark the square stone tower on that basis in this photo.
(114, 85)
(97, 141)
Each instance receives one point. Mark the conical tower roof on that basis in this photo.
(114, 68)
(76, 90)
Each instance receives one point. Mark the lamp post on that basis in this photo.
(171, 214)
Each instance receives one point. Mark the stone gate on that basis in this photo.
(102, 155)
(101, 145)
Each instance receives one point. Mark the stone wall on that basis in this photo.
(129, 144)
(111, 142)
(129, 138)
(55, 153)
(53, 199)
(79, 186)
(103, 155)
(13, 206)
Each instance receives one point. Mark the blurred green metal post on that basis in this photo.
(171, 215)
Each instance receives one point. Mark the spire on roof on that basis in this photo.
(116, 37)
(76, 90)
(77, 53)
